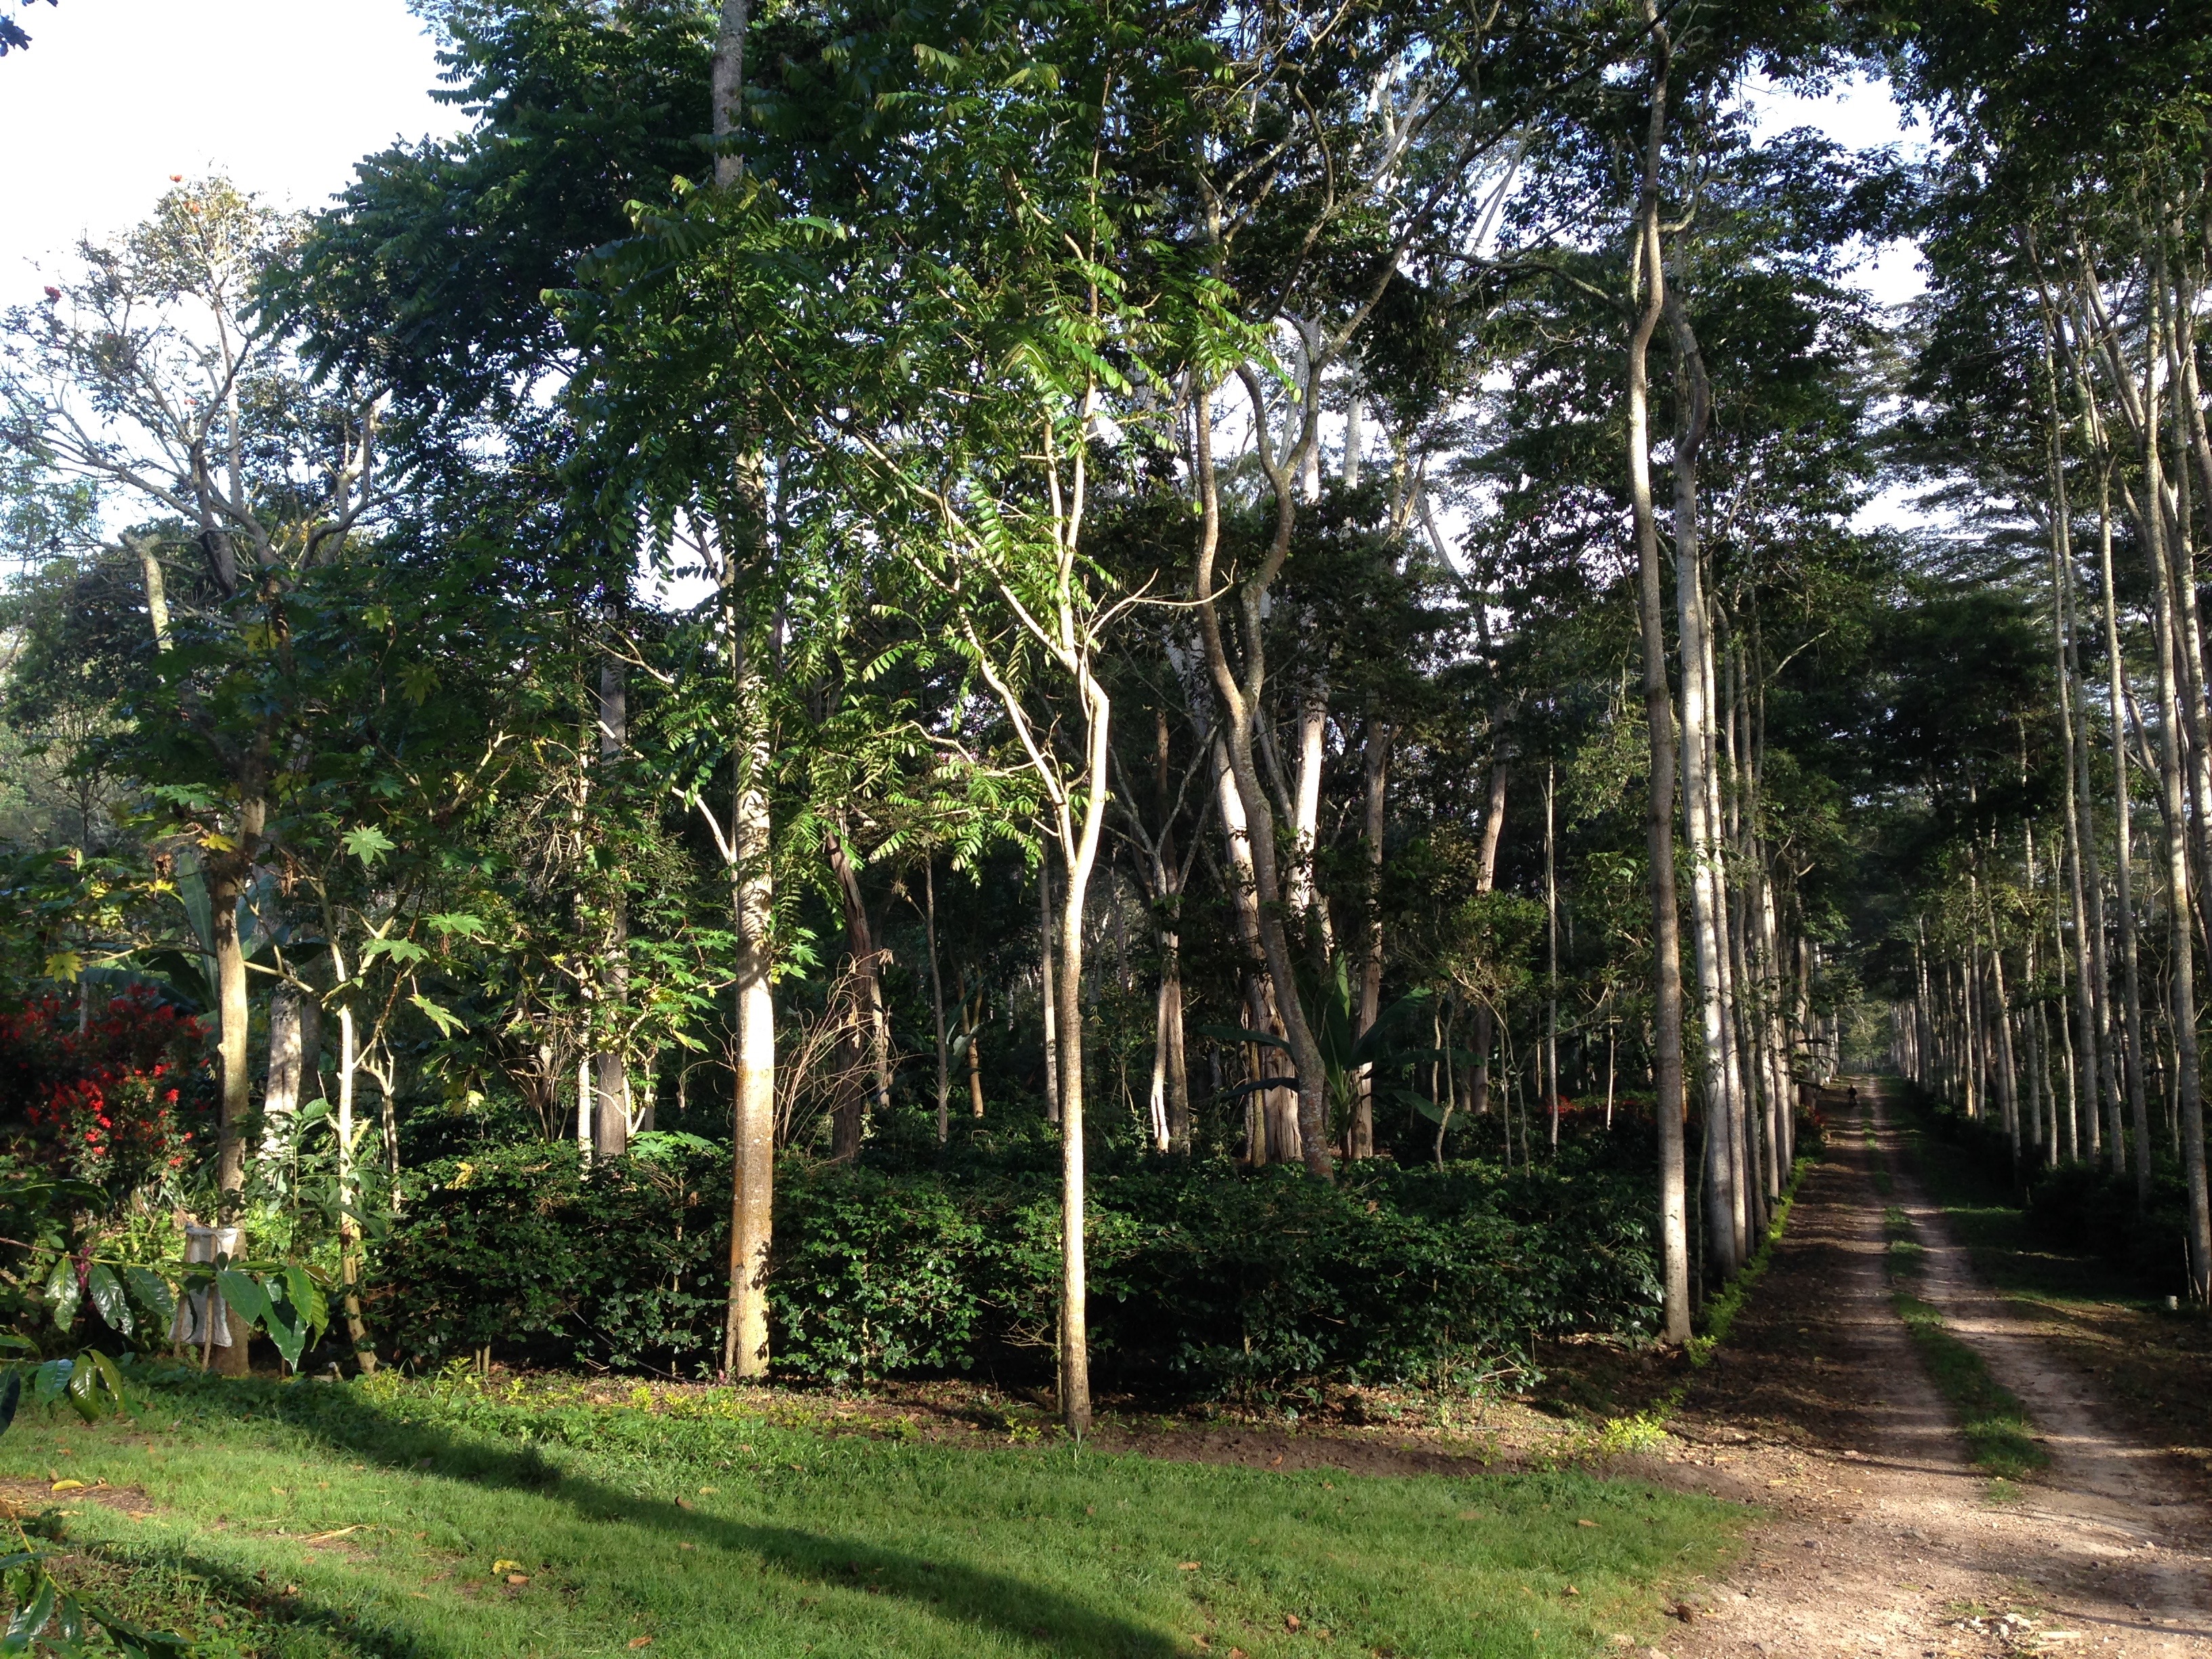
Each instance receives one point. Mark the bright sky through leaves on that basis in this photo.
(114, 95)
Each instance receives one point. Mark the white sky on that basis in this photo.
(115, 96)
(1863, 116)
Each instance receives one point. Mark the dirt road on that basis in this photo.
(1884, 1539)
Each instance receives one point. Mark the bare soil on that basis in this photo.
(1881, 1538)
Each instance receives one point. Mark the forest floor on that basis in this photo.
(2024, 1472)
(2026, 1475)
(1927, 1434)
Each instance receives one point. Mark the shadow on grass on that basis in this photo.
(374, 1639)
(958, 1595)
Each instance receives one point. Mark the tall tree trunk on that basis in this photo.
(752, 900)
(1303, 897)
(1171, 1061)
(349, 1183)
(1551, 952)
(228, 874)
(1723, 1207)
(1046, 982)
(290, 1065)
(1376, 767)
(937, 1000)
(2123, 848)
(1659, 721)
(851, 1125)
(2188, 1070)
(1277, 1140)
(975, 1032)
(1486, 878)
(610, 1067)
(1239, 701)
(748, 846)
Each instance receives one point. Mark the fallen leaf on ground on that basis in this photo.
(325, 1537)
(1290, 1621)
(640, 1641)
(69, 1485)
(505, 1565)
(518, 1578)
(1585, 1523)
(685, 1504)
(687, 1546)
(1190, 1566)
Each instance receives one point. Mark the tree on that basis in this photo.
(148, 377)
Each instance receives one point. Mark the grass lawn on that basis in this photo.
(432, 1520)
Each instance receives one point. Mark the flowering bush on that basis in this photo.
(120, 1103)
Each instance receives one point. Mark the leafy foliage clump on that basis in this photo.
(2076, 1205)
(1200, 1277)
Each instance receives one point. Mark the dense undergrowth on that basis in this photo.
(2072, 1206)
(1201, 1276)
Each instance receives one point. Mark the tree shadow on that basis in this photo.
(347, 1631)
(345, 1422)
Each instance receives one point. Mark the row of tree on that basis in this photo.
(2052, 961)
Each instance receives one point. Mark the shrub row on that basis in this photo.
(1201, 1276)
(2080, 1206)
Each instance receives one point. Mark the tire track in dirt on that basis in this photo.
(1881, 1539)
(2124, 1543)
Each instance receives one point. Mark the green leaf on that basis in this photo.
(447, 923)
(368, 844)
(63, 1293)
(445, 1020)
(137, 1643)
(66, 1636)
(242, 1292)
(83, 1390)
(48, 1382)
(108, 1297)
(304, 1294)
(110, 1376)
(288, 1330)
(30, 1619)
(153, 1292)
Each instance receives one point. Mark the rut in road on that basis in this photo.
(1882, 1538)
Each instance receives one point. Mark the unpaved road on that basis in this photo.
(1883, 1539)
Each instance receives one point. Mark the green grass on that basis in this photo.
(712, 1531)
(1991, 1419)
